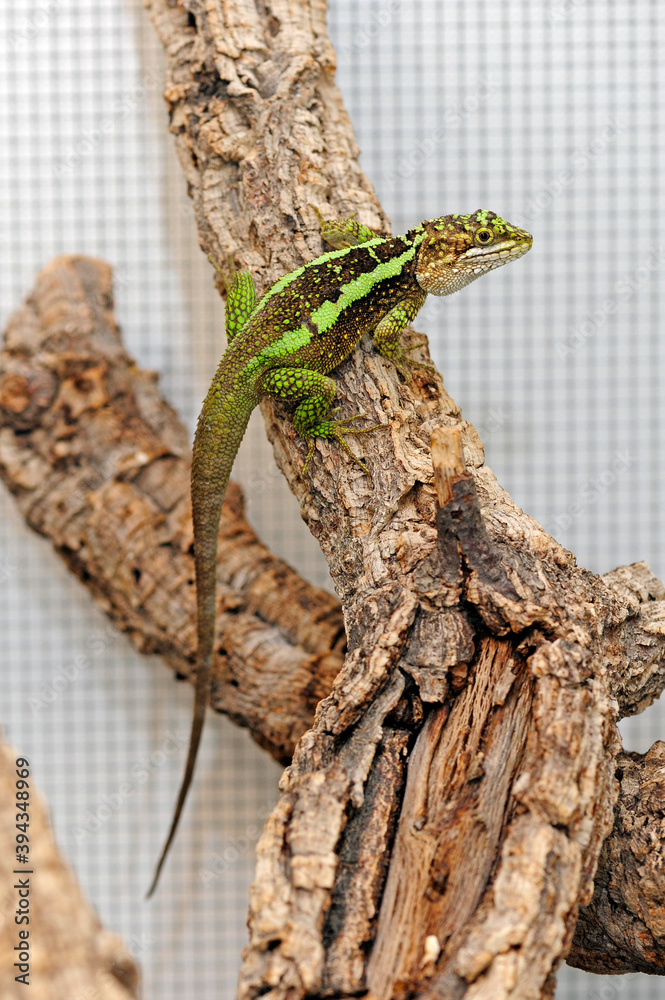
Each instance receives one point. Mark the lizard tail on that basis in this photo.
(219, 433)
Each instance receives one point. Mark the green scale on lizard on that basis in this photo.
(285, 345)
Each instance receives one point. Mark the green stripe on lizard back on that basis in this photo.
(346, 290)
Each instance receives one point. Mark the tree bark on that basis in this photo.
(99, 463)
(486, 655)
(61, 462)
(623, 927)
(441, 823)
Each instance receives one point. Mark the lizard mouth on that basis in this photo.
(498, 251)
(482, 259)
(470, 265)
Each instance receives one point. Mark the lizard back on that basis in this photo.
(349, 289)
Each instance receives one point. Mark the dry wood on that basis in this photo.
(441, 823)
(71, 955)
(623, 928)
(99, 463)
(66, 304)
(487, 651)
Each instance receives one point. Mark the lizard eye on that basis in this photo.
(483, 237)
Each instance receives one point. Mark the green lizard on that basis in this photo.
(285, 345)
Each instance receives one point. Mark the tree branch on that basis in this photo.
(623, 928)
(62, 500)
(99, 463)
(60, 460)
(477, 648)
(483, 654)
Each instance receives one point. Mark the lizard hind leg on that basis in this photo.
(311, 419)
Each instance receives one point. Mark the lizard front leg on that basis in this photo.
(387, 333)
(311, 419)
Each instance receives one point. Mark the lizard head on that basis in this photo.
(457, 249)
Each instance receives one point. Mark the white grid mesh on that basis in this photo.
(546, 113)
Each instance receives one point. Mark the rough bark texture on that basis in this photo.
(66, 303)
(99, 463)
(441, 823)
(623, 928)
(485, 653)
(71, 955)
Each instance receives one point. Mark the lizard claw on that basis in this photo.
(337, 429)
(411, 363)
(308, 460)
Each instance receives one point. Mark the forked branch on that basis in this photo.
(442, 820)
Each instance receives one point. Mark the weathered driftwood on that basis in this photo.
(99, 463)
(66, 463)
(69, 952)
(441, 822)
(623, 928)
(486, 653)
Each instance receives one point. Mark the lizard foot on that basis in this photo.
(337, 429)
(404, 364)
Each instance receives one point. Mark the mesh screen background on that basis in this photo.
(547, 113)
